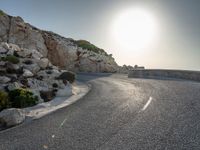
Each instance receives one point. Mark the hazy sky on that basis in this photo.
(177, 45)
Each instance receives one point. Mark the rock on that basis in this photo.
(35, 84)
(43, 63)
(3, 50)
(27, 73)
(55, 73)
(25, 53)
(4, 79)
(34, 68)
(4, 24)
(67, 91)
(14, 85)
(61, 85)
(36, 92)
(60, 49)
(12, 117)
(36, 55)
(49, 74)
(124, 69)
(12, 68)
(2, 63)
(63, 52)
(13, 77)
(13, 47)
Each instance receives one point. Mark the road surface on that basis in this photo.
(117, 114)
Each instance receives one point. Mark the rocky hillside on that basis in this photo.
(62, 52)
(22, 68)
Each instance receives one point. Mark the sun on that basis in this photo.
(135, 29)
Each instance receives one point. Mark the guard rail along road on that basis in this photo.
(162, 73)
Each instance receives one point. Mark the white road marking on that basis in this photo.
(62, 123)
(147, 104)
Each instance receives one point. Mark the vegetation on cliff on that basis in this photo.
(87, 45)
(1, 12)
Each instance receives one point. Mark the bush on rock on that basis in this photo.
(69, 76)
(21, 98)
(11, 58)
(4, 101)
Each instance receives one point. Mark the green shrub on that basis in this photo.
(4, 101)
(87, 45)
(21, 98)
(11, 58)
(1, 13)
(69, 76)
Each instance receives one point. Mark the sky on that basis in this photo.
(177, 42)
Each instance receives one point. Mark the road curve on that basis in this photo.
(117, 114)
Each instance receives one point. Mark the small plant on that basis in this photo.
(4, 101)
(87, 45)
(69, 76)
(11, 58)
(1, 13)
(21, 98)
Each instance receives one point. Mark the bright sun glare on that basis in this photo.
(135, 29)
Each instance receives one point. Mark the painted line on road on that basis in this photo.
(147, 104)
(62, 123)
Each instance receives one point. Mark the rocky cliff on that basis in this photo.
(62, 52)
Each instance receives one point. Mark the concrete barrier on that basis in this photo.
(159, 73)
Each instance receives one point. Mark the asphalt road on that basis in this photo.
(117, 114)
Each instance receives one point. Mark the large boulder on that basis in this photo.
(60, 51)
(12, 117)
(43, 63)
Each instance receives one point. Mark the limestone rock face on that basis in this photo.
(26, 36)
(4, 25)
(62, 52)
(12, 116)
(124, 69)
(31, 71)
